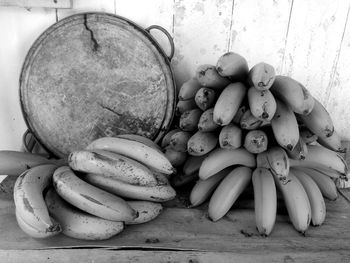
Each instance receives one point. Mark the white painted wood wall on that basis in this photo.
(307, 40)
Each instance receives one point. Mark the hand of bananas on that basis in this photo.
(236, 125)
(83, 197)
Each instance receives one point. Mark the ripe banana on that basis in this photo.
(184, 105)
(324, 182)
(297, 202)
(261, 76)
(204, 188)
(78, 224)
(205, 98)
(90, 198)
(147, 211)
(166, 139)
(262, 104)
(141, 152)
(228, 191)
(192, 164)
(232, 65)
(189, 89)
(201, 143)
(332, 142)
(300, 150)
(179, 140)
(293, 94)
(230, 137)
(140, 139)
(207, 76)
(228, 103)
(29, 200)
(319, 121)
(255, 141)
(219, 159)
(206, 122)
(176, 158)
(308, 136)
(111, 164)
(265, 200)
(285, 127)
(318, 206)
(249, 122)
(189, 120)
(159, 193)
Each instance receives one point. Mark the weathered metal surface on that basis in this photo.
(93, 75)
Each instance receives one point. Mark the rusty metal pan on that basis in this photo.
(96, 74)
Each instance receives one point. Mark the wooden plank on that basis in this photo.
(314, 36)
(37, 3)
(259, 30)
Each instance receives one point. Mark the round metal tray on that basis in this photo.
(92, 75)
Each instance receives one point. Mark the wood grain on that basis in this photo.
(37, 3)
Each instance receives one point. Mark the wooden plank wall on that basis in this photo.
(307, 40)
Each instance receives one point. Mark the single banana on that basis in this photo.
(262, 104)
(285, 127)
(317, 203)
(324, 182)
(207, 76)
(206, 122)
(293, 94)
(179, 140)
(140, 152)
(300, 150)
(192, 164)
(230, 137)
(276, 160)
(332, 142)
(189, 120)
(90, 198)
(255, 141)
(166, 139)
(205, 98)
(189, 89)
(319, 120)
(176, 158)
(201, 143)
(140, 139)
(159, 193)
(228, 103)
(232, 65)
(78, 224)
(147, 211)
(249, 122)
(219, 159)
(202, 190)
(261, 76)
(29, 200)
(227, 192)
(265, 200)
(297, 202)
(184, 105)
(308, 136)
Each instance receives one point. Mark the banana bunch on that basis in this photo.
(95, 193)
(235, 126)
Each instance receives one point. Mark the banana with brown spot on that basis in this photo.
(147, 211)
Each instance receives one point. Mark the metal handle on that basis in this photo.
(171, 41)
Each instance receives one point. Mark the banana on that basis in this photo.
(159, 193)
(308, 136)
(29, 200)
(293, 94)
(111, 164)
(15, 162)
(318, 206)
(90, 198)
(232, 65)
(297, 202)
(201, 143)
(228, 191)
(179, 140)
(205, 98)
(140, 152)
(206, 122)
(207, 76)
(192, 164)
(261, 76)
(230, 137)
(179, 180)
(166, 139)
(262, 104)
(147, 211)
(332, 142)
(189, 89)
(265, 200)
(237, 118)
(255, 141)
(300, 150)
(249, 122)
(189, 120)
(220, 158)
(319, 121)
(276, 160)
(176, 158)
(78, 224)
(324, 182)
(184, 105)
(204, 188)
(140, 139)
(285, 127)
(228, 103)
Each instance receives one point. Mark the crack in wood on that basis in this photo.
(96, 46)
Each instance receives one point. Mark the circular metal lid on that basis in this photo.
(92, 75)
